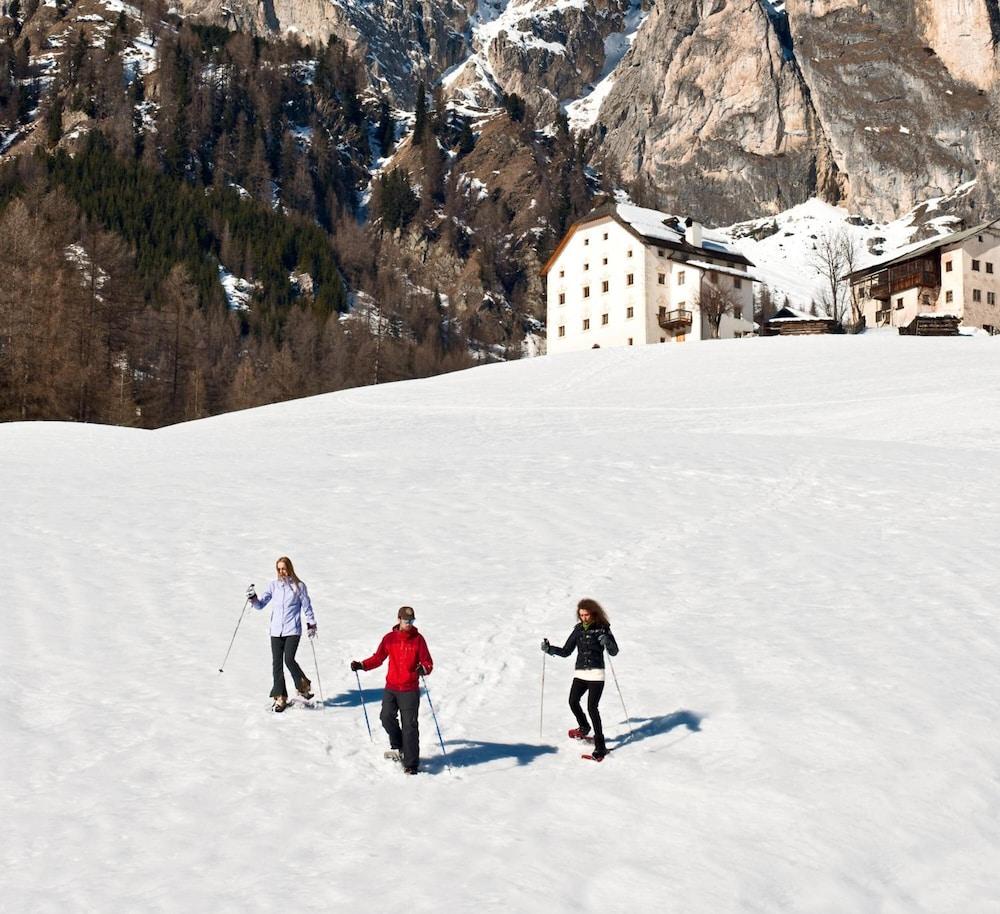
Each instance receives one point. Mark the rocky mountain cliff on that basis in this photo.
(730, 109)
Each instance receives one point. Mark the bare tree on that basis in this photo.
(713, 302)
(836, 254)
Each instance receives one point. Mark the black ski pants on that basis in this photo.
(595, 690)
(283, 649)
(403, 705)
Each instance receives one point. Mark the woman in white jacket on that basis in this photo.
(289, 601)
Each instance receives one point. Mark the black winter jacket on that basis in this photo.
(590, 654)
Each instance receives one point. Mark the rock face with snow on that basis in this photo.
(710, 106)
(755, 108)
(548, 52)
(402, 41)
(734, 108)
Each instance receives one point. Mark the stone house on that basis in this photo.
(958, 274)
(628, 276)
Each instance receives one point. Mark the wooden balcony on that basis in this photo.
(675, 320)
(923, 273)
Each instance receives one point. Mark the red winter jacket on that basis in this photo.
(405, 649)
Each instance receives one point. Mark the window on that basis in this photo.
(586, 291)
(662, 279)
(562, 274)
(629, 252)
(975, 266)
(663, 311)
(899, 303)
(663, 339)
(586, 266)
(949, 296)
(737, 282)
(681, 305)
(630, 279)
(604, 260)
(660, 252)
(630, 343)
(630, 312)
(562, 298)
(604, 320)
(989, 267)
(605, 236)
(680, 278)
(586, 241)
(991, 298)
(562, 331)
(604, 286)
(586, 323)
(977, 295)
(947, 266)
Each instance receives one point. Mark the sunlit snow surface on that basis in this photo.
(797, 544)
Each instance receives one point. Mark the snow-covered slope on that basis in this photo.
(783, 247)
(796, 541)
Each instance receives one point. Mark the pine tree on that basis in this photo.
(420, 119)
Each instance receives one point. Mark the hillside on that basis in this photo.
(795, 541)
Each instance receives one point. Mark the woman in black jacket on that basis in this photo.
(591, 637)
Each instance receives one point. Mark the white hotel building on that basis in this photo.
(627, 276)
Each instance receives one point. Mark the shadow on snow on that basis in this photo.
(654, 726)
(352, 699)
(464, 753)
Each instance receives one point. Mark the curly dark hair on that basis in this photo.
(597, 613)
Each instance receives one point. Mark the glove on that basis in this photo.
(251, 593)
(311, 629)
(421, 669)
(603, 639)
(545, 645)
(357, 665)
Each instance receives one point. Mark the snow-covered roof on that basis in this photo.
(729, 271)
(660, 229)
(788, 313)
(921, 248)
(657, 226)
(649, 222)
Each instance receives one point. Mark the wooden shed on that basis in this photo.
(792, 322)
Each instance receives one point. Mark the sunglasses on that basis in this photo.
(406, 621)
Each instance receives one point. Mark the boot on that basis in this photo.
(305, 689)
(279, 703)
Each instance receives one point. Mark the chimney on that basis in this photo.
(692, 232)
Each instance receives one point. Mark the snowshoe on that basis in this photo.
(392, 755)
(412, 769)
(595, 756)
(280, 703)
(577, 733)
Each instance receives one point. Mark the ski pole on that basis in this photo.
(235, 630)
(319, 681)
(541, 705)
(363, 708)
(628, 720)
(437, 727)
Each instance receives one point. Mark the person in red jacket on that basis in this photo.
(409, 658)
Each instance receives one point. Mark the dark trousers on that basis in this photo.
(407, 737)
(593, 700)
(283, 649)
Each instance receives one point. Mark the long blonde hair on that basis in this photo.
(291, 569)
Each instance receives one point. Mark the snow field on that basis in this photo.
(796, 542)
